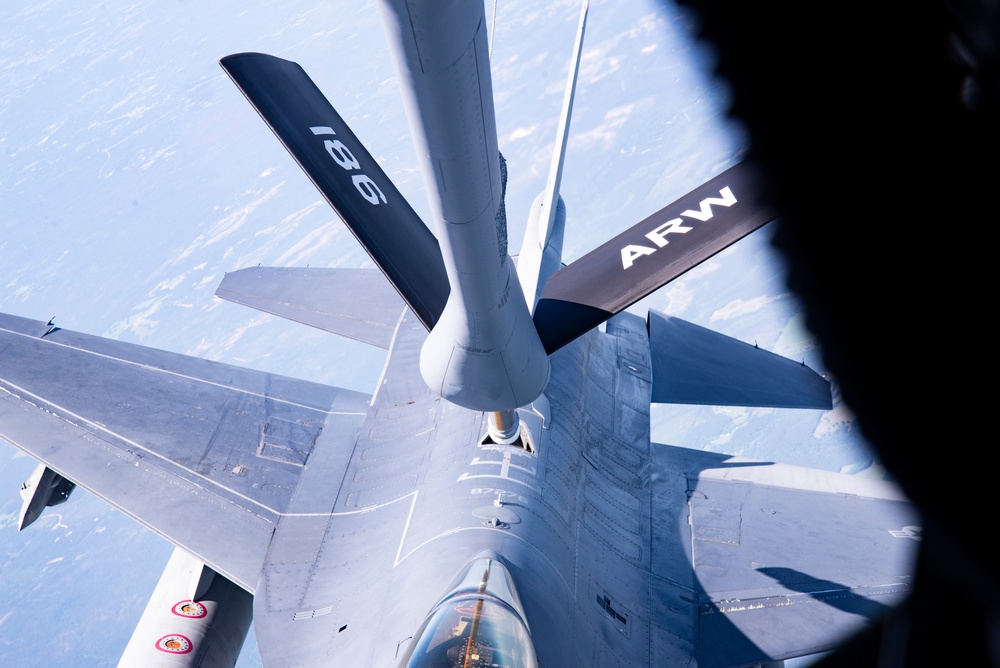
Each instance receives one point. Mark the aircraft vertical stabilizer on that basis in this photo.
(541, 250)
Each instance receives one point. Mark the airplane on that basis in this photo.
(611, 623)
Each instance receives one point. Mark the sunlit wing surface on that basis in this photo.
(323, 298)
(206, 454)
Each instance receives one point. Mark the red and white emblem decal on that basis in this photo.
(174, 643)
(189, 609)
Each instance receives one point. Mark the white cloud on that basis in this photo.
(740, 307)
(521, 133)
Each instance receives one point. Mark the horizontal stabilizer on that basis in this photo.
(694, 365)
(356, 303)
(348, 177)
(647, 256)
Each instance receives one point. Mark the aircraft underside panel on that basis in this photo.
(205, 454)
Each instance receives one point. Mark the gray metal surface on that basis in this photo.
(484, 353)
(205, 454)
(694, 365)
(183, 628)
(786, 560)
(323, 298)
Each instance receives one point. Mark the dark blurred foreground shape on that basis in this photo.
(876, 125)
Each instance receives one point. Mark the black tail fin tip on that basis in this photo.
(650, 254)
(348, 177)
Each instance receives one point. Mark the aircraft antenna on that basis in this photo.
(493, 27)
(562, 135)
(541, 249)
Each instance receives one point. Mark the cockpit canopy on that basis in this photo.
(478, 624)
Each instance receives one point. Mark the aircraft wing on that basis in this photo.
(206, 454)
(786, 560)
